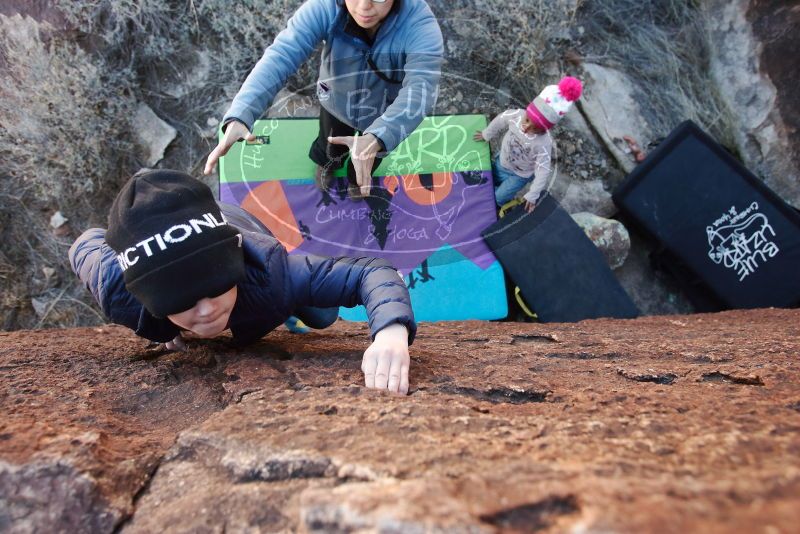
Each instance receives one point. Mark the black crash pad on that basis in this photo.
(561, 274)
(731, 240)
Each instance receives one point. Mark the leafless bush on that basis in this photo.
(662, 45)
(63, 116)
(508, 47)
(229, 37)
(64, 128)
(189, 56)
(115, 22)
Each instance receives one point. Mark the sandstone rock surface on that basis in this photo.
(679, 423)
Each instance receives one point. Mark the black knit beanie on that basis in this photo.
(172, 242)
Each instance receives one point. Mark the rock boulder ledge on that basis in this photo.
(659, 424)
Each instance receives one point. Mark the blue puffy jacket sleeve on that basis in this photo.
(96, 265)
(304, 31)
(327, 282)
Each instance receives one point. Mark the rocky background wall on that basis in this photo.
(93, 90)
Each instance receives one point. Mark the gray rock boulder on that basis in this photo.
(385, 506)
(763, 137)
(609, 105)
(577, 196)
(151, 134)
(52, 495)
(610, 236)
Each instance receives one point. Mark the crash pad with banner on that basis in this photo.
(732, 241)
(562, 276)
(430, 199)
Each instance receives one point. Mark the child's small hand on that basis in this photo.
(386, 361)
(530, 206)
(478, 136)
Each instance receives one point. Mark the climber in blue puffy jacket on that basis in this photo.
(173, 261)
(378, 78)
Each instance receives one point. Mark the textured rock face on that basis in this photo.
(51, 495)
(774, 25)
(747, 55)
(682, 423)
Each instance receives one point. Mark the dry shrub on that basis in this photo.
(64, 116)
(63, 147)
(189, 57)
(510, 47)
(230, 37)
(662, 45)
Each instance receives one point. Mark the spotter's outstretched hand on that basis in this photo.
(235, 131)
(363, 149)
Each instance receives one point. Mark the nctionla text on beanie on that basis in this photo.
(172, 242)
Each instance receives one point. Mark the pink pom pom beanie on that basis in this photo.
(554, 102)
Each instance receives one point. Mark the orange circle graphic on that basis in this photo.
(442, 184)
(391, 183)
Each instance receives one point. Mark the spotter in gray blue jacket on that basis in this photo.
(378, 78)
